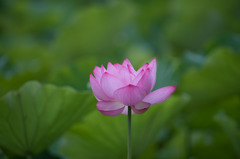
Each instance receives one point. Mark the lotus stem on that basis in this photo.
(129, 133)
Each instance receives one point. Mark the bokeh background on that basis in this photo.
(59, 42)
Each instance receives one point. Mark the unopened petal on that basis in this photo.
(159, 95)
(130, 95)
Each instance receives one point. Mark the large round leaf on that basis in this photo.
(36, 115)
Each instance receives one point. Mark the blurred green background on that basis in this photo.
(48, 48)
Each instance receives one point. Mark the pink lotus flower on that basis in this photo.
(121, 86)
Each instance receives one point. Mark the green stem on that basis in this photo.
(129, 133)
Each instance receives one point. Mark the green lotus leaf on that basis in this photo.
(36, 115)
